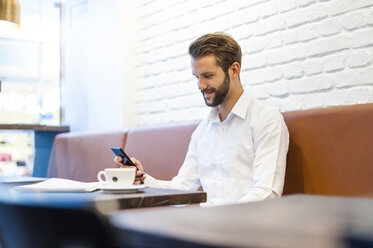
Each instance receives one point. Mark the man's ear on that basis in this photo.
(235, 69)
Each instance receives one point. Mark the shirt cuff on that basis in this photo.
(150, 181)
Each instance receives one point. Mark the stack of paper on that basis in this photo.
(60, 185)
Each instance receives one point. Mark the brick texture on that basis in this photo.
(297, 54)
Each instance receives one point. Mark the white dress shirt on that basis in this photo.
(240, 159)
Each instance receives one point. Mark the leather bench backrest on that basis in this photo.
(330, 151)
(161, 149)
(80, 156)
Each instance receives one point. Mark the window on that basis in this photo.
(30, 66)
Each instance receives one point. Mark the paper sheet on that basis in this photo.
(60, 185)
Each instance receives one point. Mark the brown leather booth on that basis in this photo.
(330, 151)
(80, 156)
(160, 149)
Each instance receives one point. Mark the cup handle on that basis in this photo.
(99, 176)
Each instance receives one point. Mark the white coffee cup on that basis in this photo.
(117, 177)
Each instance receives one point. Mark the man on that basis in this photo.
(238, 153)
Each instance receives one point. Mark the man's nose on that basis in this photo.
(201, 84)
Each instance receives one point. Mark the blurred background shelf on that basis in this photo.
(25, 148)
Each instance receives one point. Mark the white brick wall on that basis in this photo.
(297, 54)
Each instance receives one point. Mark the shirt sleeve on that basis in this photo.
(271, 143)
(187, 177)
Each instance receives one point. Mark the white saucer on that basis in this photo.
(123, 189)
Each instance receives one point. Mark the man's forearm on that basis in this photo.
(163, 184)
(259, 194)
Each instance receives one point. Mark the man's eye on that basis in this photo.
(208, 76)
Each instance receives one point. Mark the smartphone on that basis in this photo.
(125, 159)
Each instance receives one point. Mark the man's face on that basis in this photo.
(212, 81)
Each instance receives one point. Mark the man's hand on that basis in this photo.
(140, 174)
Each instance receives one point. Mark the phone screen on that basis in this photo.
(119, 152)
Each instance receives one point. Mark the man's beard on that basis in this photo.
(220, 93)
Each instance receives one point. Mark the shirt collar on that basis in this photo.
(240, 109)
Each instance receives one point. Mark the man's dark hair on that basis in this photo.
(224, 47)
